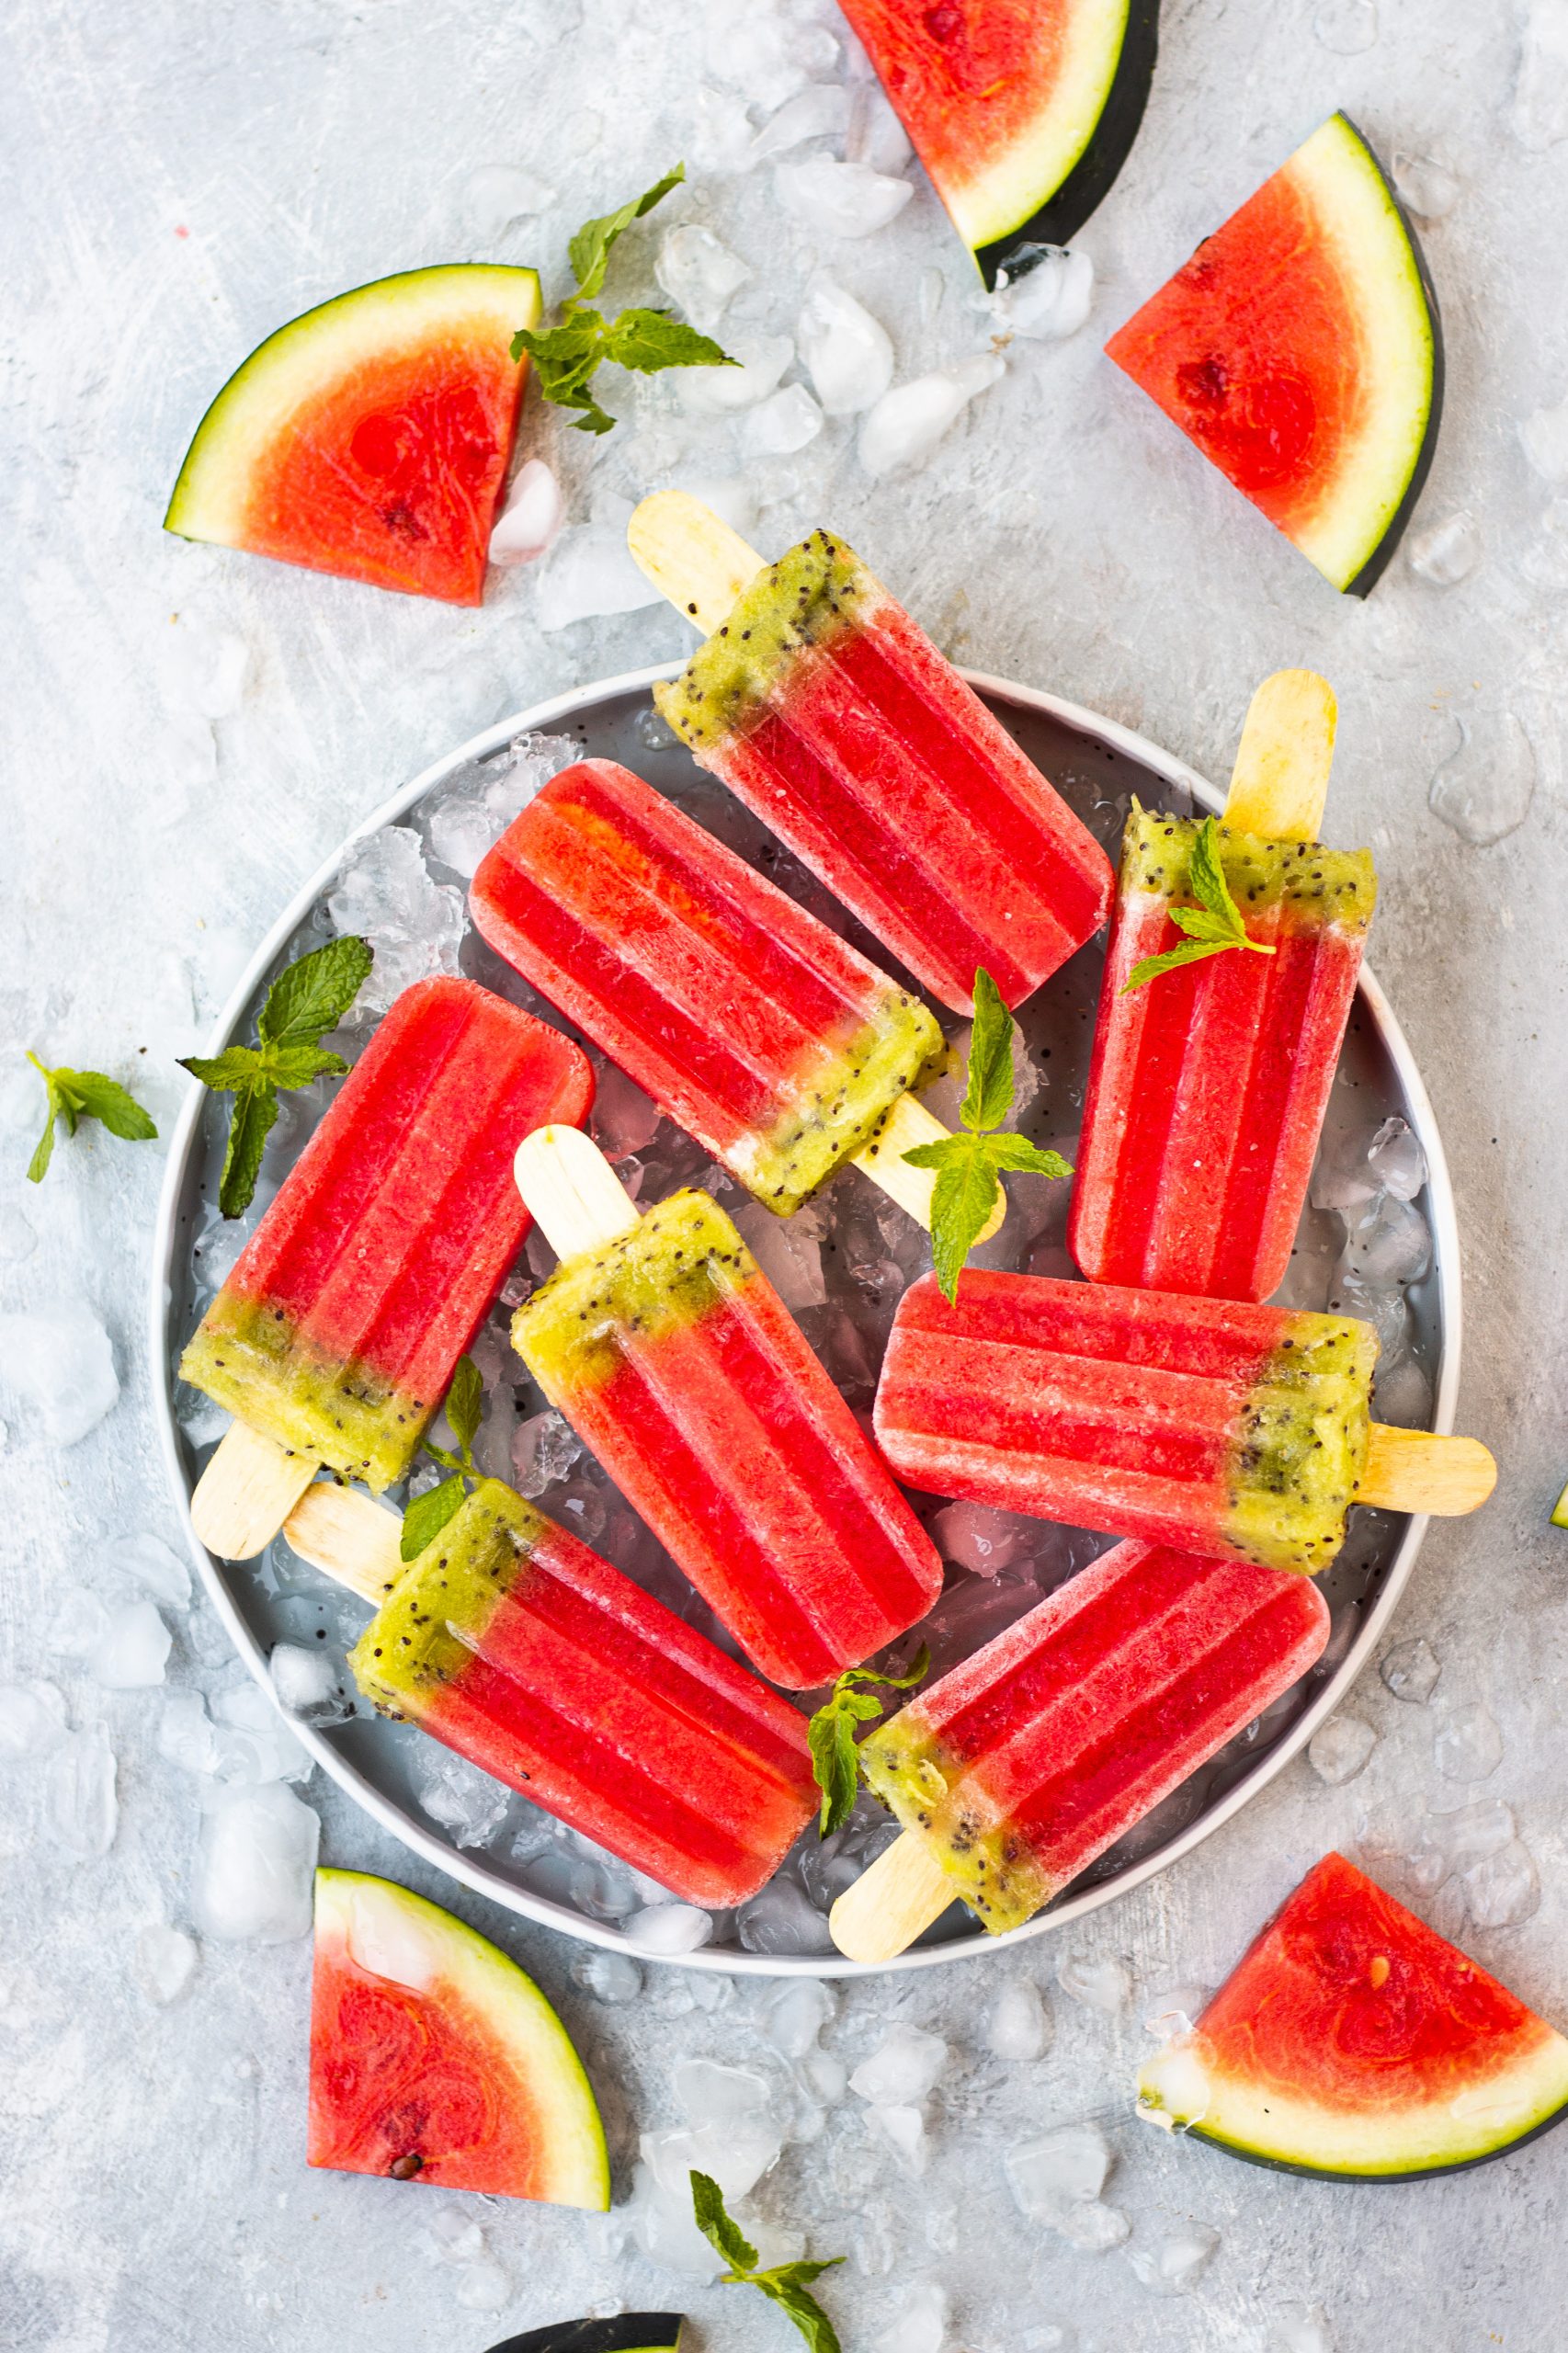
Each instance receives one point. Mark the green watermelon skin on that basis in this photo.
(627, 2333)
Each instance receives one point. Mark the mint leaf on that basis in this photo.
(589, 250)
(465, 1403)
(831, 1735)
(988, 1097)
(565, 355)
(963, 1199)
(1213, 925)
(313, 994)
(649, 340)
(786, 2284)
(428, 1514)
(294, 1067)
(76, 1095)
(1016, 1151)
(250, 1124)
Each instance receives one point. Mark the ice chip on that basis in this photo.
(875, 136)
(1300, 2328)
(789, 1251)
(544, 1450)
(903, 2069)
(759, 52)
(1544, 434)
(846, 351)
(484, 2287)
(390, 1942)
(921, 2326)
(1411, 1671)
(821, 110)
(309, 1684)
(149, 1559)
(723, 133)
(254, 1867)
(1340, 1748)
(976, 1536)
(84, 1808)
(835, 199)
(670, 1928)
(624, 1118)
(132, 1651)
(1447, 552)
(782, 424)
(795, 2012)
(722, 391)
(1468, 1745)
(1047, 292)
(1388, 1242)
(254, 1741)
(1484, 788)
(1396, 1159)
(1503, 1889)
(903, 429)
(1425, 187)
(164, 1961)
(610, 1977)
(780, 1918)
(708, 2094)
(57, 1361)
(1100, 1983)
(496, 197)
(903, 2129)
(415, 925)
(78, 1623)
(1402, 1395)
(32, 1720)
(469, 1804)
(1020, 2027)
(1057, 2172)
(589, 572)
(700, 274)
(1177, 2263)
(527, 525)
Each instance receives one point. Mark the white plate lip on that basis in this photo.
(454, 1861)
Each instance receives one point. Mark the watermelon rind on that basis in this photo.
(355, 1909)
(627, 2333)
(1048, 188)
(319, 348)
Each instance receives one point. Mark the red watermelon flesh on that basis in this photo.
(1353, 2039)
(435, 2058)
(371, 437)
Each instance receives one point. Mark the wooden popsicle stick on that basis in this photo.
(247, 1493)
(1280, 783)
(576, 1198)
(691, 556)
(892, 1903)
(909, 1123)
(1419, 1471)
(354, 1539)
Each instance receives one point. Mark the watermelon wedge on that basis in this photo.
(1022, 111)
(1354, 2042)
(1300, 348)
(433, 2058)
(371, 437)
(627, 2333)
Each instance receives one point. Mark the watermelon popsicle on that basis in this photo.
(1208, 1083)
(818, 702)
(776, 1045)
(335, 1337)
(670, 1354)
(1025, 1763)
(1220, 1426)
(510, 1642)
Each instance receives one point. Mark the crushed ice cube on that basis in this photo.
(921, 2326)
(1347, 27)
(1094, 2228)
(733, 499)
(760, 361)
(903, 2069)
(484, 2287)
(903, 2129)
(780, 1918)
(906, 424)
(835, 199)
(819, 111)
(846, 351)
(624, 1120)
(976, 1536)
(875, 135)
(761, 53)
(308, 1683)
(610, 1977)
(1544, 434)
(33, 1719)
(789, 1251)
(415, 925)
(544, 1450)
(254, 1741)
(1065, 2166)
(1503, 1889)
(82, 1806)
(1178, 2261)
(496, 197)
(708, 2094)
(700, 274)
(534, 512)
(589, 572)
(254, 1867)
(782, 424)
(1447, 552)
(795, 2012)
(1389, 1243)
(1300, 2328)
(132, 1651)
(149, 1559)
(721, 134)
(471, 1804)
(1339, 1748)
(1411, 1671)
(661, 2222)
(1425, 186)
(1471, 1833)
(1484, 789)
(1468, 1745)
(1019, 2026)
(1103, 1985)
(1396, 1159)
(78, 1623)
(1403, 1396)
(57, 1362)
(668, 1928)
(1045, 292)
(164, 1961)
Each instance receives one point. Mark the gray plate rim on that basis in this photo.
(456, 1863)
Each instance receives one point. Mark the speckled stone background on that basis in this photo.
(176, 181)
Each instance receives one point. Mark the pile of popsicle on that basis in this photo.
(1225, 1441)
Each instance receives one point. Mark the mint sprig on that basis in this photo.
(831, 1735)
(1212, 927)
(77, 1095)
(429, 1513)
(308, 998)
(970, 1166)
(567, 355)
(788, 2285)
